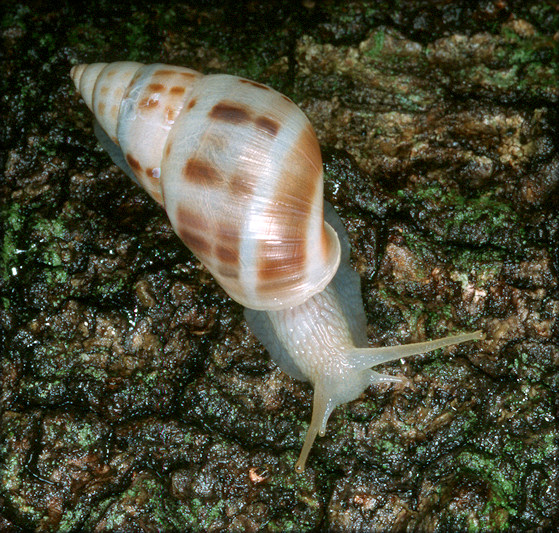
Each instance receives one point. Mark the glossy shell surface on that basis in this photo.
(235, 164)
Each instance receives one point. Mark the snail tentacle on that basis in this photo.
(362, 358)
(238, 169)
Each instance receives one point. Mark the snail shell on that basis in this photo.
(237, 167)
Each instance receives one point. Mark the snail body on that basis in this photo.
(238, 170)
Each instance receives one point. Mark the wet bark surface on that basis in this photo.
(132, 394)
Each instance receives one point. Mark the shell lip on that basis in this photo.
(304, 292)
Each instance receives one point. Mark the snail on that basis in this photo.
(238, 170)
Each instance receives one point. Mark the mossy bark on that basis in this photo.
(132, 394)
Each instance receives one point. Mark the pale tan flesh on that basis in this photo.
(323, 405)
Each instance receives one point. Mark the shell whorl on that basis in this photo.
(237, 167)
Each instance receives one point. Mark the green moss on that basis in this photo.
(86, 435)
(544, 14)
(35, 239)
(484, 265)
(96, 373)
(504, 78)
(470, 420)
(83, 37)
(151, 503)
(136, 32)
(56, 277)
(51, 232)
(495, 213)
(200, 515)
(471, 209)
(548, 448)
(13, 222)
(522, 50)
(284, 525)
(378, 44)
(383, 447)
(72, 519)
(110, 286)
(50, 228)
(525, 62)
(504, 480)
(16, 17)
(460, 213)
(167, 16)
(136, 36)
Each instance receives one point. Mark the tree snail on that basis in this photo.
(237, 167)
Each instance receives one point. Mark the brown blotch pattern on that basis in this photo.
(187, 217)
(228, 272)
(199, 171)
(190, 226)
(104, 90)
(156, 87)
(230, 112)
(268, 125)
(256, 84)
(302, 170)
(239, 185)
(165, 72)
(168, 148)
(191, 104)
(276, 262)
(227, 254)
(221, 242)
(187, 74)
(302, 173)
(170, 114)
(195, 242)
(114, 111)
(101, 108)
(227, 249)
(177, 91)
(148, 102)
(134, 163)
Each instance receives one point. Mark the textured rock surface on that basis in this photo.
(132, 395)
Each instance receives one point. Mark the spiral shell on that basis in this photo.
(235, 164)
